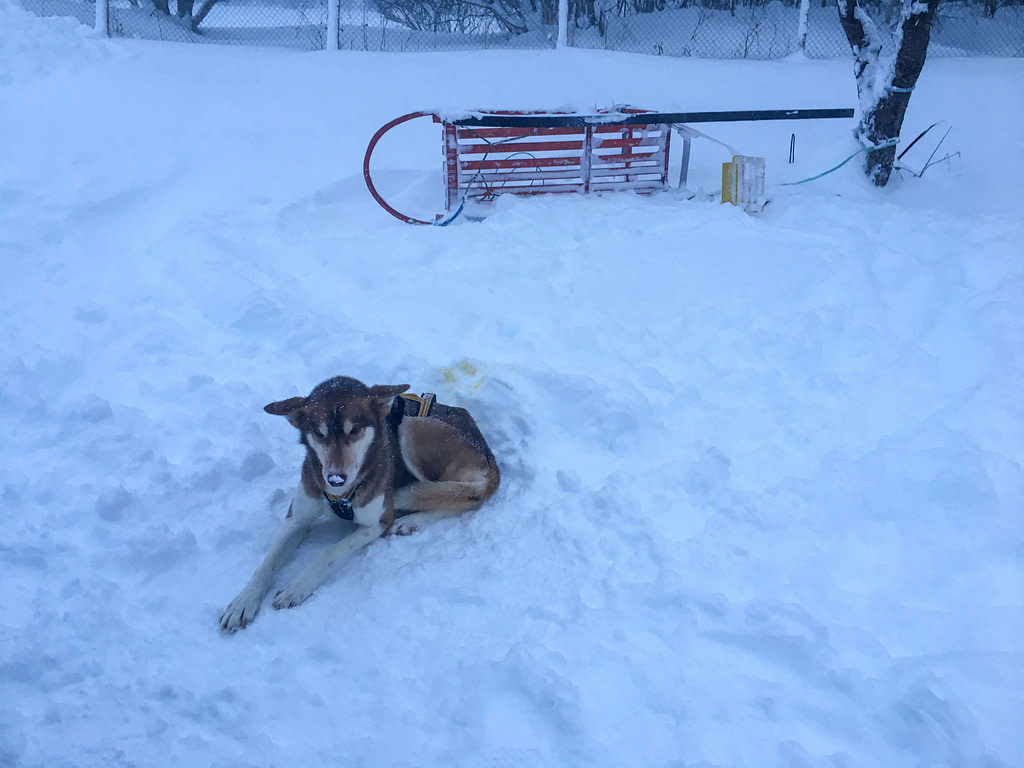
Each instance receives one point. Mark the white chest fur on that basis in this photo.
(370, 513)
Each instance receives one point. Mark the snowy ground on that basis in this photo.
(763, 486)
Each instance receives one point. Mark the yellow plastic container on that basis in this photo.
(743, 183)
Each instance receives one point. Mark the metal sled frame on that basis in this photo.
(528, 153)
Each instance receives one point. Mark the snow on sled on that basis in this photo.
(489, 153)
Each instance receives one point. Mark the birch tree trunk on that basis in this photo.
(801, 30)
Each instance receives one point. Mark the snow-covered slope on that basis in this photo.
(763, 487)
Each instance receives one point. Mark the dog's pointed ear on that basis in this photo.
(383, 396)
(290, 409)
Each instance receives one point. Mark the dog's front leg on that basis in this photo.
(306, 583)
(302, 513)
(371, 526)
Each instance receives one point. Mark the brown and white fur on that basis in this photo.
(437, 466)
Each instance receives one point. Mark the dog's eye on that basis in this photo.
(356, 429)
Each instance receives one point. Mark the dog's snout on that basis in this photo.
(336, 480)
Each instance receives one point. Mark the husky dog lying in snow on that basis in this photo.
(385, 460)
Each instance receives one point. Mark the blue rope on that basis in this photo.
(462, 203)
(454, 216)
(883, 145)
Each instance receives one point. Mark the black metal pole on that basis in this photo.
(646, 118)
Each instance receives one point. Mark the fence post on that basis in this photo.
(563, 23)
(333, 14)
(102, 9)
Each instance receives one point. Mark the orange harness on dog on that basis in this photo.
(426, 404)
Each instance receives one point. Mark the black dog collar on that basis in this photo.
(341, 505)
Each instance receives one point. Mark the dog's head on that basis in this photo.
(338, 423)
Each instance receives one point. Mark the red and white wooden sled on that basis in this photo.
(487, 154)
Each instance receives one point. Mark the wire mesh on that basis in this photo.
(288, 23)
(84, 12)
(434, 25)
(770, 29)
(983, 28)
(714, 29)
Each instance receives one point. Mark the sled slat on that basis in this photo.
(524, 165)
(497, 134)
(491, 179)
(513, 147)
(529, 189)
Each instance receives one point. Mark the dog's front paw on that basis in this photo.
(294, 594)
(403, 529)
(408, 524)
(240, 612)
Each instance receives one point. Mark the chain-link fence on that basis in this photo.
(772, 29)
(291, 23)
(436, 25)
(710, 29)
(717, 29)
(84, 12)
(980, 28)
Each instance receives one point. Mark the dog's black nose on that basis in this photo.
(336, 480)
